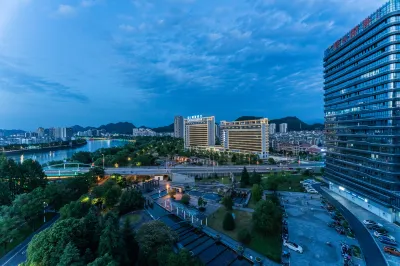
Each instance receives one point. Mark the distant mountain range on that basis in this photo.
(123, 128)
(294, 123)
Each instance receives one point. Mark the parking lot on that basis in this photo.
(307, 224)
(363, 214)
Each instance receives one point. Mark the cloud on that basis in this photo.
(65, 10)
(88, 3)
(16, 80)
(127, 28)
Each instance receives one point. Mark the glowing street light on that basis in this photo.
(116, 165)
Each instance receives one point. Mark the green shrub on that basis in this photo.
(244, 236)
(228, 223)
(185, 199)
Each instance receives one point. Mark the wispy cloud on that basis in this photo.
(14, 79)
(65, 10)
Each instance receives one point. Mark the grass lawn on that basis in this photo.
(252, 204)
(290, 182)
(23, 233)
(225, 180)
(133, 218)
(270, 246)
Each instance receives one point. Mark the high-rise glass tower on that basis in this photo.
(362, 112)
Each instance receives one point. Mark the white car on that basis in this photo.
(370, 222)
(312, 191)
(377, 234)
(293, 246)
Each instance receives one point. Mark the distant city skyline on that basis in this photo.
(93, 62)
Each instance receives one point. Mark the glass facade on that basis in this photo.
(362, 108)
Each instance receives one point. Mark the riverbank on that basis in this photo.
(44, 149)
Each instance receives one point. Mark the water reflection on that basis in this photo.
(58, 155)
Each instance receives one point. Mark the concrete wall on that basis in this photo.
(376, 208)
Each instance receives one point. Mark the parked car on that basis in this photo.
(312, 191)
(391, 250)
(293, 246)
(382, 230)
(378, 234)
(374, 227)
(370, 222)
(386, 240)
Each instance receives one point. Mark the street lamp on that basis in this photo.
(44, 211)
(103, 159)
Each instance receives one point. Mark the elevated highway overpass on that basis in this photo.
(189, 170)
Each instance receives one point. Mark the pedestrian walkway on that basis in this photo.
(248, 253)
(243, 209)
(363, 214)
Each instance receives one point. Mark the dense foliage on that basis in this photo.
(256, 193)
(131, 200)
(151, 237)
(185, 199)
(227, 202)
(228, 223)
(20, 178)
(245, 178)
(267, 217)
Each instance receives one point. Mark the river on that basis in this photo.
(47, 156)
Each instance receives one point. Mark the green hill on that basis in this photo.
(294, 123)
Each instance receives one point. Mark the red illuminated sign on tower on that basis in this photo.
(366, 22)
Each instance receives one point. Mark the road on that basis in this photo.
(190, 169)
(372, 254)
(18, 254)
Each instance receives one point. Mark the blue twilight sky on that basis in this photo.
(93, 62)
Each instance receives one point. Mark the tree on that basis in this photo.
(185, 199)
(153, 235)
(29, 206)
(120, 180)
(70, 256)
(256, 193)
(112, 196)
(229, 223)
(9, 225)
(45, 247)
(33, 175)
(234, 158)
(105, 260)
(271, 183)
(267, 217)
(244, 236)
(308, 172)
(245, 178)
(131, 200)
(110, 239)
(255, 178)
(88, 256)
(92, 227)
(5, 194)
(129, 243)
(10, 173)
(227, 202)
(75, 209)
(271, 160)
(82, 157)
